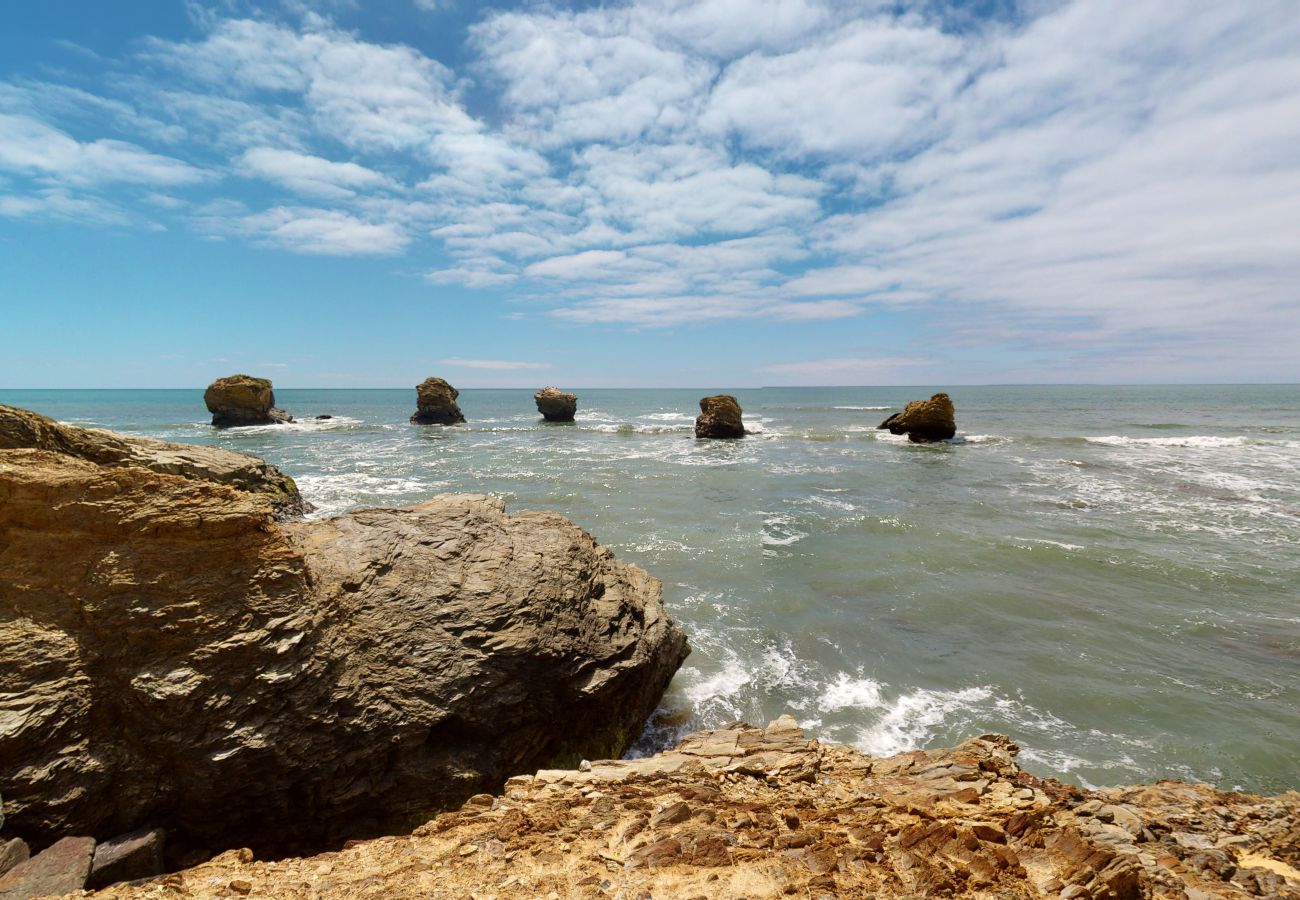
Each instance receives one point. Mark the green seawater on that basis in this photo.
(1110, 575)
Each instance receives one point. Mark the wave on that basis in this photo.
(863, 408)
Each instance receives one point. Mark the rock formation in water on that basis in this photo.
(435, 403)
(239, 400)
(173, 657)
(555, 405)
(766, 813)
(21, 429)
(924, 421)
(719, 418)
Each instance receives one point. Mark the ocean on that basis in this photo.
(1109, 575)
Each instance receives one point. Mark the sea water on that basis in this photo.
(1110, 575)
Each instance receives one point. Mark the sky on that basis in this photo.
(724, 193)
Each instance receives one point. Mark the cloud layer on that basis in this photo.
(1092, 180)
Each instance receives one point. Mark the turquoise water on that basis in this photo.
(1111, 575)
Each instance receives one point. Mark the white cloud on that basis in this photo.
(496, 364)
(315, 231)
(308, 174)
(30, 146)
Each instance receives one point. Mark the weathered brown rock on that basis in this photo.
(173, 657)
(924, 421)
(767, 813)
(719, 418)
(435, 402)
(58, 869)
(239, 400)
(21, 429)
(555, 405)
(13, 852)
(127, 857)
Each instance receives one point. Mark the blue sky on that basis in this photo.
(651, 193)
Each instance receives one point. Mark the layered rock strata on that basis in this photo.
(556, 405)
(719, 417)
(173, 657)
(924, 421)
(240, 400)
(22, 429)
(743, 812)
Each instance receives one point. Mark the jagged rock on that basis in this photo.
(172, 656)
(767, 813)
(924, 421)
(555, 405)
(20, 428)
(239, 400)
(127, 857)
(719, 418)
(435, 403)
(13, 852)
(59, 869)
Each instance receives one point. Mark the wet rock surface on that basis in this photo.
(435, 403)
(720, 417)
(22, 429)
(744, 812)
(556, 405)
(174, 657)
(241, 400)
(924, 421)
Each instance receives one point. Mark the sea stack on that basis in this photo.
(239, 400)
(719, 418)
(556, 405)
(435, 403)
(924, 421)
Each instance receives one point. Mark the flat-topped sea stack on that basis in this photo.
(435, 403)
(173, 657)
(241, 400)
(719, 417)
(22, 429)
(556, 405)
(767, 814)
(924, 421)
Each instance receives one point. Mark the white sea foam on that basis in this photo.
(910, 720)
(1198, 442)
(848, 692)
(862, 407)
(779, 531)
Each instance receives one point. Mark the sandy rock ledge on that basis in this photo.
(744, 812)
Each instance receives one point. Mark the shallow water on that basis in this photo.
(1111, 575)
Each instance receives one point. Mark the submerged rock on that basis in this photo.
(924, 421)
(556, 405)
(435, 402)
(767, 813)
(719, 418)
(22, 429)
(239, 400)
(173, 657)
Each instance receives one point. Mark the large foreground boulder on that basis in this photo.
(22, 429)
(719, 418)
(173, 657)
(924, 421)
(766, 813)
(556, 405)
(240, 400)
(435, 403)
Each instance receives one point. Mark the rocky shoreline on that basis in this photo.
(744, 812)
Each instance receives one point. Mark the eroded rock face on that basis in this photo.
(719, 418)
(924, 421)
(239, 400)
(22, 429)
(173, 657)
(767, 813)
(556, 405)
(435, 402)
